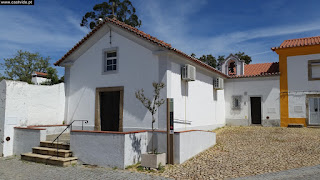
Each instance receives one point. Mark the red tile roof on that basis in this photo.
(40, 73)
(261, 69)
(142, 35)
(308, 41)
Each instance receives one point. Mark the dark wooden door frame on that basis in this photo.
(261, 109)
(97, 121)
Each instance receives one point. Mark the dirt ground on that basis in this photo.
(247, 151)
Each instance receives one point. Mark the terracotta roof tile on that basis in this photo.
(308, 41)
(40, 73)
(261, 69)
(142, 35)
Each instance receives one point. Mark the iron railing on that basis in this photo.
(69, 125)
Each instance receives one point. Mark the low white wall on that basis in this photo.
(123, 149)
(191, 143)
(103, 149)
(135, 145)
(25, 139)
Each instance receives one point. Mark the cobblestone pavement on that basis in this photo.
(14, 168)
(308, 173)
(249, 151)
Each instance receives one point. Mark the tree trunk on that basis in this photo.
(152, 150)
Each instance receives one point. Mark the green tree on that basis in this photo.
(23, 65)
(220, 59)
(193, 55)
(52, 75)
(122, 10)
(61, 80)
(242, 56)
(209, 59)
(152, 104)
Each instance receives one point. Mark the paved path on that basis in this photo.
(14, 168)
(310, 173)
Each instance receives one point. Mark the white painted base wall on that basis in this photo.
(122, 150)
(108, 149)
(25, 139)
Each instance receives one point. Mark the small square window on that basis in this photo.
(110, 62)
(314, 70)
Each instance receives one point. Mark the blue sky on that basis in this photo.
(51, 27)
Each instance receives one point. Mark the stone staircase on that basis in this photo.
(47, 152)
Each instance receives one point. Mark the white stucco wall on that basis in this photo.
(299, 85)
(137, 68)
(2, 113)
(265, 87)
(195, 102)
(139, 64)
(27, 105)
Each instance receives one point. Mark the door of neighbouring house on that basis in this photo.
(255, 110)
(109, 110)
(314, 113)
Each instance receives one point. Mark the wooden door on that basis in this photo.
(110, 110)
(255, 110)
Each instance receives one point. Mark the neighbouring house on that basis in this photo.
(251, 93)
(276, 94)
(299, 63)
(39, 77)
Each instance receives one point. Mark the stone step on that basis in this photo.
(65, 137)
(51, 137)
(49, 144)
(52, 151)
(51, 160)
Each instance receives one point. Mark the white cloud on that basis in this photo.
(171, 23)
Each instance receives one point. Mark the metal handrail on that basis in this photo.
(69, 125)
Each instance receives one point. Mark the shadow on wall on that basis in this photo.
(136, 146)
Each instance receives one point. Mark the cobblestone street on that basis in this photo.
(13, 168)
(248, 151)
